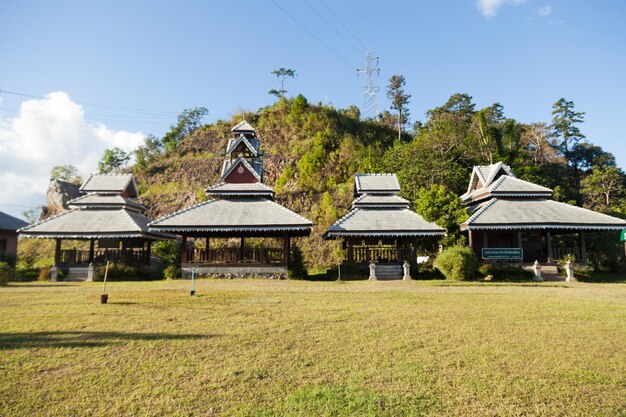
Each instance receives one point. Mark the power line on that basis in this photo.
(357, 50)
(342, 24)
(313, 35)
(121, 108)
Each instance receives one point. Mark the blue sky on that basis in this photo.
(167, 56)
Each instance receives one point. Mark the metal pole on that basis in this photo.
(193, 275)
(104, 297)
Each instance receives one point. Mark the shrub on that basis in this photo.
(296, 270)
(457, 263)
(505, 272)
(6, 273)
(121, 272)
(45, 274)
(172, 272)
(426, 271)
(8, 258)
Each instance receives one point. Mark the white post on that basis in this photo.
(537, 271)
(407, 271)
(54, 273)
(569, 270)
(373, 271)
(90, 271)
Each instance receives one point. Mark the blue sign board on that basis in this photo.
(503, 254)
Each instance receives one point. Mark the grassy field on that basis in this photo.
(287, 348)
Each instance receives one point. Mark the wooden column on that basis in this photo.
(469, 237)
(286, 248)
(241, 247)
(183, 249)
(350, 251)
(57, 253)
(148, 251)
(549, 239)
(92, 243)
(485, 239)
(583, 247)
(519, 239)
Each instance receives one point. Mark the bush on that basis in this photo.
(296, 270)
(6, 273)
(121, 272)
(505, 272)
(426, 271)
(45, 274)
(172, 272)
(8, 258)
(457, 263)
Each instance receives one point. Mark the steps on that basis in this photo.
(76, 274)
(387, 272)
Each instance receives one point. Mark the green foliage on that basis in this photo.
(505, 272)
(172, 272)
(399, 101)
(67, 173)
(169, 253)
(148, 152)
(285, 176)
(188, 121)
(458, 263)
(603, 189)
(44, 274)
(6, 273)
(565, 125)
(282, 74)
(8, 258)
(296, 269)
(112, 161)
(122, 272)
(443, 207)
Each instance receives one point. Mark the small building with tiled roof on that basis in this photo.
(242, 208)
(380, 228)
(508, 212)
(108, 217)
(9, 226)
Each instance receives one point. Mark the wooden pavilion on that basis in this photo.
(516, 220)
(380, 228)
(108, 217)
(243, 207)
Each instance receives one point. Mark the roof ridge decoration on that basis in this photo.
(246, 164)
(245, 141)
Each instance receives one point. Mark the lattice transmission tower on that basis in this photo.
(371, 73)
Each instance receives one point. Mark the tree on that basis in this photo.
(67, 173)
(148, 152)
(443, 207)
(399, 100)
(188, 121)
(31, 215)
(112, 160)
(536, 141)
(564, 126)
(603, 187)
(282, 74)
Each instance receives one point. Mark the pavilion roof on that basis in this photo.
(241, 215)
(380, 201)
(256, 168)
(540, 213)
(98, 201)
(390, 222)
(251, 144)
(246, 189)
(93, 224)
(10, 223)
(110, 184)
(376, 184)
(507, 186)
(243, 126)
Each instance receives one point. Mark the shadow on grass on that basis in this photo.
(84, 339)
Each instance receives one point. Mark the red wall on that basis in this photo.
(244, 177)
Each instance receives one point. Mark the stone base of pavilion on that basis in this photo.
(236, 271)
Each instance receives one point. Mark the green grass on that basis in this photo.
(289, 348)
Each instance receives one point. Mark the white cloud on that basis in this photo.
(48, 132)
(544, 10)
(489, 8)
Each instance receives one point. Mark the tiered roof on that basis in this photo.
(379, 212)
(244, 205)
(499, 200)
(10, 223)
(108, 210)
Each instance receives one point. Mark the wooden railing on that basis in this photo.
(81, 257)
(233, 256)
(382, 254)
(560, 252)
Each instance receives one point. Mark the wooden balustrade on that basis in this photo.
(560, 252)
(81, 257)
(382, 254)
(233, 255)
